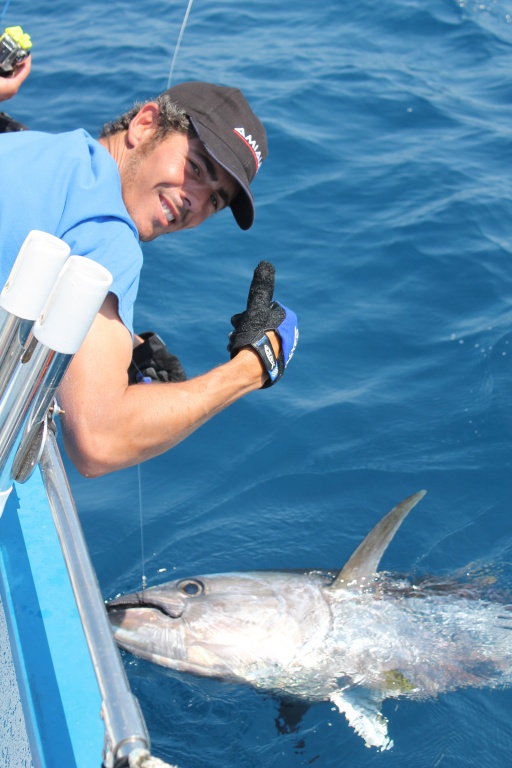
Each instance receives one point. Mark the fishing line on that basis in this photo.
(141, 516)
(187, 12)
(141, 525)
(7, 4)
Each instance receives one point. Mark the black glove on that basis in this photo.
(263, 314)
(9, 125)
(152, 361)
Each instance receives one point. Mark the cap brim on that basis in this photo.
(242, 206)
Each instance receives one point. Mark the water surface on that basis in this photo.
(386, 207)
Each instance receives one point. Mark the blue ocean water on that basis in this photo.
(386, 207)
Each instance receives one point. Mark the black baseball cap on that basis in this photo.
(231, 134)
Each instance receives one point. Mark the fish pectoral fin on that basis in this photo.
(362, 712)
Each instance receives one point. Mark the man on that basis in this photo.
(164, 166)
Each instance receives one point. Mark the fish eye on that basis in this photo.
(191, 587)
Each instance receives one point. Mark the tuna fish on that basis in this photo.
(355, 638)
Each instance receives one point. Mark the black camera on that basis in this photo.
(15, 46)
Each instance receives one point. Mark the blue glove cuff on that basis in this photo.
(288, 330)
(273, 366)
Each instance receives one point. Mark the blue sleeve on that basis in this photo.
(69, 187)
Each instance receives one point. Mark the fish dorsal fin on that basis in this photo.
(365, 560)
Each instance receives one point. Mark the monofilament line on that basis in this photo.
(187, 12)
(141, 526)
(8, 2)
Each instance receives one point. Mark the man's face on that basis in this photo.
(173, 184)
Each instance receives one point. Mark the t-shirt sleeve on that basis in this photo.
(96, 224)
(72, 189)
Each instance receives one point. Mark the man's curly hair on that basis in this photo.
(171, 119)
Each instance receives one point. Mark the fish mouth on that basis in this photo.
(138, 600)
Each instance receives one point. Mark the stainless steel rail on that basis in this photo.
(124, 723)
(14, 332)
(34, 356)
(27, 396)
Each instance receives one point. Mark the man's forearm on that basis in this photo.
(133, 424)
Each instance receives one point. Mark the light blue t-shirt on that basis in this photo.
(68, 185)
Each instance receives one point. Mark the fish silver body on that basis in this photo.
(354, 638)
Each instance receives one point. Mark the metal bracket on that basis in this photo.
(29, 452)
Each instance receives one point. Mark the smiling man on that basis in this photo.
(164, 166)
(184, 182)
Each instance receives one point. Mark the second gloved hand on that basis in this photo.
(262, 315)
(152, 361)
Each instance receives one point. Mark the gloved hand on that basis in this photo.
(152, 361)
(263, 314)
(9, 125)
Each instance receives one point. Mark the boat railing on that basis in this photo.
(121, 713)
(47, 306)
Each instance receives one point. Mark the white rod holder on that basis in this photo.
(37, 266)
(72, 305)
(61, 327)
(39, 261)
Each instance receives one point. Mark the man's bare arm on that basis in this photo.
(110, 425)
